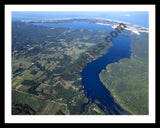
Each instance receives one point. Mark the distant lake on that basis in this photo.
(95, 90)
(78, 25)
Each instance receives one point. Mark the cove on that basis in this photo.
(94, 88)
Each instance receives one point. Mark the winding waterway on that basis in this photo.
(90, 74)
(94, 88)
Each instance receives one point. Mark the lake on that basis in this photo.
(94, 88)
(78, 25)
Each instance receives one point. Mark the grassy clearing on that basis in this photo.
(24, 62)
(16, 81)
(24, 88)
(26, 75)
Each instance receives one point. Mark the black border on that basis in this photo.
(153, 125)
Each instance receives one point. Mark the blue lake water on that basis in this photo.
(94, 88)
(78, 25)
(90, 74)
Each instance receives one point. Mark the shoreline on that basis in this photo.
(65, 19)
(121, 22)
(135, 29)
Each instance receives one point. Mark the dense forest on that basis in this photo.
(127, 80)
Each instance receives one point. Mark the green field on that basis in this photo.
(50, 108)
(32, 101)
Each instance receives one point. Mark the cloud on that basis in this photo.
(128, 15)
